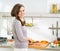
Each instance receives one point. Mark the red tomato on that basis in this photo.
(37, 41)
(56, 42)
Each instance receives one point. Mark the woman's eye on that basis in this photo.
(23, 10)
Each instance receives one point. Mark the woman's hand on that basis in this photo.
(29, 40)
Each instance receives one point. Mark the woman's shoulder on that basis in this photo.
(17, 21)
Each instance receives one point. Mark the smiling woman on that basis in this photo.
(18, 27)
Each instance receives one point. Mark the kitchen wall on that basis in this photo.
(50, 2)
(39, 31)
(32, 6)
(3, 27)
(6, 27)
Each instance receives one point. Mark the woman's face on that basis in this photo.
(21, 12)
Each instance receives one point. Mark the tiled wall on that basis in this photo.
(39, 31)
(3, 27)
(6, 27)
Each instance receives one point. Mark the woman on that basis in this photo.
(19, 32)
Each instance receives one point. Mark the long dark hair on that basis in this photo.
(15, 12)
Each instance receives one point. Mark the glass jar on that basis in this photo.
(54, 8)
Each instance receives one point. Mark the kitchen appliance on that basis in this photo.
(3, 39)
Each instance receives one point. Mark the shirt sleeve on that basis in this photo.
(19, 31)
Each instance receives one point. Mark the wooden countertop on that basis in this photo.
(43, 47)
(5, 47)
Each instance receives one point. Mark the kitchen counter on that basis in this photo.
(9, 46)
(44, 49)
(48, 48)
(31, 49)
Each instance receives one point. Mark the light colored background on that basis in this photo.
(40, 29)
(32, 6)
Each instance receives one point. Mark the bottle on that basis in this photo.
(54, 8)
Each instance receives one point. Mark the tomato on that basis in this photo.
(55, 42)
(37, 41)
